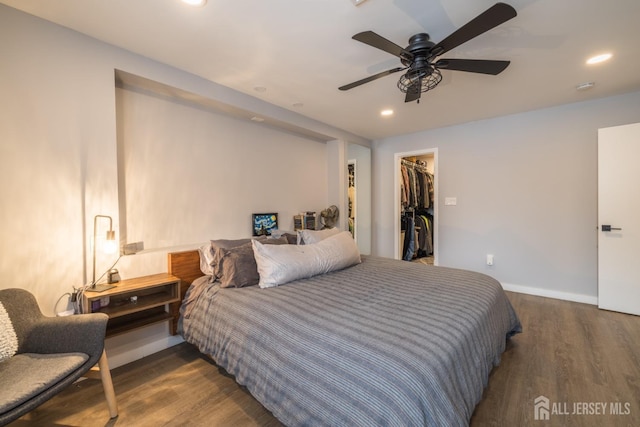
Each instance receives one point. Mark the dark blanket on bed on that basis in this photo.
(382, 343)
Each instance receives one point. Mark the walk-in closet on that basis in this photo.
(417, 213)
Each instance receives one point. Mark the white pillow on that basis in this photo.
(279, 264)
(309, 237)
(8, 338)
(206, 258)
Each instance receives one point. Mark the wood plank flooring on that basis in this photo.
(570, 353)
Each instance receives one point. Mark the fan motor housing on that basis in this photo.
(420, 46)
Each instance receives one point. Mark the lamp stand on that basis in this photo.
(101, 288)
(111, 236)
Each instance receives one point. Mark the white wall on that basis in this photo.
(57, 158)
(191, 175)
(526, 188)
(59, 164)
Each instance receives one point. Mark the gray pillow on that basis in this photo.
(217, 246)
(292, 239)
(237, 265)
(292, 236)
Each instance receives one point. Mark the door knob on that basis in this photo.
(609, 228)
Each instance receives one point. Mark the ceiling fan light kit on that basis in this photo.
(419, 58)
(417, 82)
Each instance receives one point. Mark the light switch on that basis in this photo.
(450, 201)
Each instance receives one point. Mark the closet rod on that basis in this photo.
(414, 165)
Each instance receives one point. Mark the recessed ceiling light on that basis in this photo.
(585, 86)
(386, 113)
(599, 58)
(195, 2)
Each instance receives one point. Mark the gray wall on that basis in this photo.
(526, 188)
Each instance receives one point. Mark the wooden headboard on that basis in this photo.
(185, 266)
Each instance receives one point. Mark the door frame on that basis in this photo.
(617, 269)
(353, 162)
(397, 201)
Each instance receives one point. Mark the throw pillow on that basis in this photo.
(237, 266)
(8, 338)
(278, 265)
(308, 237)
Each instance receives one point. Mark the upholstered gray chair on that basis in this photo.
(51, 353)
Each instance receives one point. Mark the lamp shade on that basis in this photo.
(110, 246)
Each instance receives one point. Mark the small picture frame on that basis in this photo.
(264, 223)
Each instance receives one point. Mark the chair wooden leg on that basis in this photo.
(107, 385)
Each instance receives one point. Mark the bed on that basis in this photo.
(380, 343)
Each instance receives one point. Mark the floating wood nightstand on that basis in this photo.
(135, 303)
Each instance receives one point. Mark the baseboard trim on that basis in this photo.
(548, 293)
(138, 343)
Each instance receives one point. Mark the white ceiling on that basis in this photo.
(301, 51)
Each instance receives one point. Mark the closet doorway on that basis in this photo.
(351, 197)
(416, 206)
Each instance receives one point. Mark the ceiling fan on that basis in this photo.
(419, 57)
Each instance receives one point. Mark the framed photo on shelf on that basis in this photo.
(264, 223)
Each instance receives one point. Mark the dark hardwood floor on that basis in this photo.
(573, 354)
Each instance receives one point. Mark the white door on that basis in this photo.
(619, 218)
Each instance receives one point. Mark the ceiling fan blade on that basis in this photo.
(371, 78)
(413, 91)
(490, 18)
(379, 42)
(483, 66)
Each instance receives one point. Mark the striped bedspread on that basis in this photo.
(382, 343)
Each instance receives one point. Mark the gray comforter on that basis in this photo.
(382, 343)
